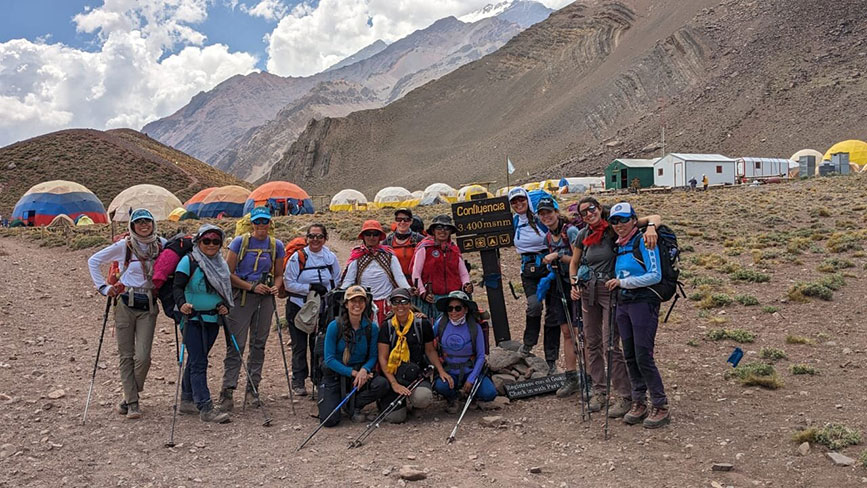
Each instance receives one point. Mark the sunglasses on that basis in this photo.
(316, 236)
(454, 308)
(399, 301)
(261, 222)
(619, 220)
(370, 233)
(402, 219)
(143, 221)
(442, 227)
(587, 211)
(209, 242)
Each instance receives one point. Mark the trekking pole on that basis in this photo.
(171, 442)
(387, 410)
(267, 421)
(577, 346)
(336, 409)
(611, 324)
(472, 395)
(96, 363)
(283, 352)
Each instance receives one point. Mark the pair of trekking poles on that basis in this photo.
(578, 346)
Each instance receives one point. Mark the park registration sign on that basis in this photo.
(483, 224)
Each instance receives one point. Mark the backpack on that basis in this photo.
(272, 250)
(296, 245)
(180, 245)
(330, 310)
(669, 263)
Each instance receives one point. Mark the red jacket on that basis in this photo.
(441, 267)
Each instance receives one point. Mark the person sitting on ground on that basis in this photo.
(403, 240)
(135, 315)
(350, 353)
(594, 254)
(202, 289)
(256, 263)
(638, 317)
(463, 356)
(320, 272)
(438, 268)
(406, 347)
(375, 267)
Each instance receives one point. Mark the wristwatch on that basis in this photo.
(651, 224)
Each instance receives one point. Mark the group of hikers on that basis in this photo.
(396, 323)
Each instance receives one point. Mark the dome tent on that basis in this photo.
(550, 185)
(348, 199)
(806, 152)
(44, 201)
(176, 214)
(159, 201)
(394, 196)
(504, 191)
(441, 190)
(417, 195)
(857, 151)
(228, 200)
(61, 220)
(581, 184)
(533, 185)
(283, 197)
(466, 193)
(195, 202)
(83, 221)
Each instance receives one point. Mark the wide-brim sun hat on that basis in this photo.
(443, 220)
(443, 302)
(372, 225)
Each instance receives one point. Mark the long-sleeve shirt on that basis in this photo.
(320, 267)
(418, 267)
(364, 353)
(526, 239)
(134, 277)
(630, 272)
(376, 278)
(458, 347)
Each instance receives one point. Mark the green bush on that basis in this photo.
(830, 265)
(796, 339)
(803, 369)
(706, 280)
(84, 242)
(715, 300)
(750, 275)
(747, 300)
(817, 290)
(837, 436)
(758, 374)
(863, 458)
(770, 309)
(737, 335)
(834, 281)
(772, 353)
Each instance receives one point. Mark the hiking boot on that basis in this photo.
(636, 414)
(133, 411)
(597, 402)
(299, 391)
(571, 386)
(552, 368)
(525, 350)
(658, 417)
(211, 414)
(452, 406)
(226, 403)
(188, 407)
(359, 417)
(619, 407)
(121, 408)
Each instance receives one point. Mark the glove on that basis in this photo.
(319, 288)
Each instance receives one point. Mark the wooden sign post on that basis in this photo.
(485, 225)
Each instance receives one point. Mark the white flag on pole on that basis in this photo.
(509, 166)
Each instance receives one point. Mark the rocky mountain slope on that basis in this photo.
(598, 81)
(364, 53)
(106, 162)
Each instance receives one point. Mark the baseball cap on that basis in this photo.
(354, 291)
(260, 213)
(546, 203)
(403, 210)
(518, 192)
(622, 209)
(140, 214)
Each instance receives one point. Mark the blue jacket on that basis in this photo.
(633, 275)
(364, 353)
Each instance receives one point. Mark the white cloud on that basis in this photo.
(309, 39)
(267, 9)
(128, 82)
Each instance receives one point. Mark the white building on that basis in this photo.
(763, 167)
(676, 169)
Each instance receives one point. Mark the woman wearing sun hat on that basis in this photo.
(135, 314)
(374, 267)
(439, 267)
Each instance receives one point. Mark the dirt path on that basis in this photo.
(49, 326)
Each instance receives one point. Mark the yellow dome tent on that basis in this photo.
(394, 197)
(533, 185)
(857, 152)
(466, 193)
(441, 191)
(83, 221)
(159, 201)
(550, 186)
(177, 214)
(347, 200)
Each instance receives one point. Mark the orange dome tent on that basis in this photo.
(284, 197)
(195, 203)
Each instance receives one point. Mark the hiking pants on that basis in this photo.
(486, 392)
(302, 344)
(638, 323)
(596, 321)
(135, 336)
(331, 395)
(199, 338)
(421, 398)
(551, 339)
(254, 318)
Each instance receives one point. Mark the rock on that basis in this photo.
(537, 364)
(839, 459)
(386, 471)
(56, 394)
(722, 467)
(410, 472)
(493, 421)
(804, 448)
(537, 374)
(535, 469)
(613, 143)
(521, 368)
(501, 360)
(501, 380)
(514, 346)
(200, 444)
(11, 166)
(497, 403)
(847, 351)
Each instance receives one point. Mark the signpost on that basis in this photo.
(485, 225)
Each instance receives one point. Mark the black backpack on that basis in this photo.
(669, 263)
(329, 310)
